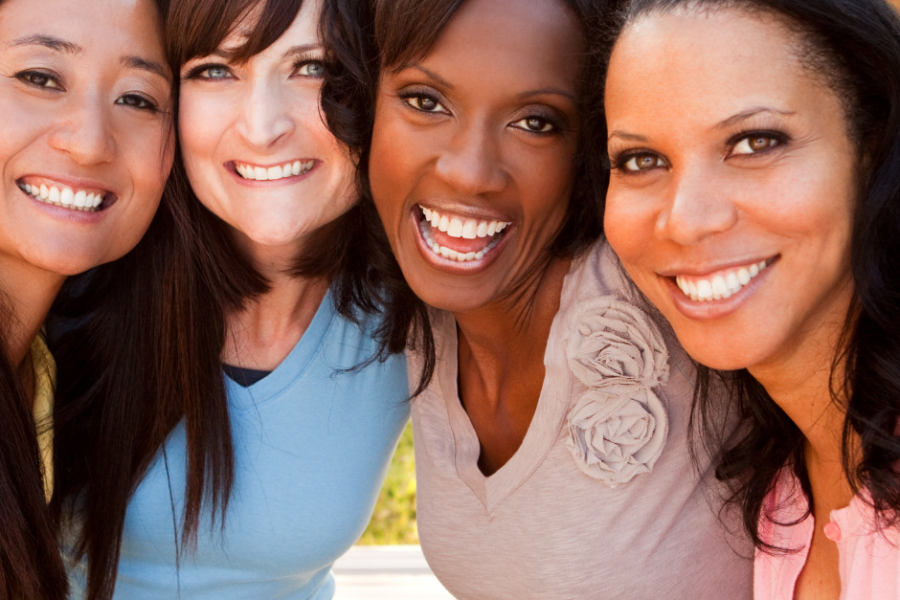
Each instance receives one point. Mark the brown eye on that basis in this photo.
(39, 79)
(424, 104)
(754, 144)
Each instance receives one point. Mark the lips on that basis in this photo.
(49, 191)
(459, 238)
(719, 284)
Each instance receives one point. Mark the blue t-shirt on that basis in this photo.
(312, 446)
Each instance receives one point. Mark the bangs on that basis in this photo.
(198, 27)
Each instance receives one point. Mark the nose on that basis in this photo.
(699, 206)
(264, 118)
(87, 132)
(472, 163)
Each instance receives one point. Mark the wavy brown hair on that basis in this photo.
(365, 37)
(143, 337)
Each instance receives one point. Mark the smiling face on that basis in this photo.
(471, 165)
(256, 148)
(733, 185)
(87, 143)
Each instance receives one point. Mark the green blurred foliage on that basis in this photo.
(394, 519)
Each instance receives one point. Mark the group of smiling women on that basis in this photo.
(632, 266)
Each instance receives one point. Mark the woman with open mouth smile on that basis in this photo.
(86, 147)
(755, 151)
(550, 410)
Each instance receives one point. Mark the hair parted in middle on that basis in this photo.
(362, 39)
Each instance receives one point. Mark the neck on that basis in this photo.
(800, 383)
(29, 292)
(264, 332)
(501, 338)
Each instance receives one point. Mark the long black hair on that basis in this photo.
(855, 46)
(364, 37)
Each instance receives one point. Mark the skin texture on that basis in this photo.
(459, 131)
(266, 112)
(721, 187)
(91, 112)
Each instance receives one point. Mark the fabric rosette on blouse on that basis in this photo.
(618, 425)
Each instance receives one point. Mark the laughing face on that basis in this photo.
(87, 137)
(732, 194)
(256, 148)
(471, 165)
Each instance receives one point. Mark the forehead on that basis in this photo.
(526, 41)
(94, 25)
(706, 65)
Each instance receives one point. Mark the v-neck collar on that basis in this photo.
(291, 368)
(544, 429)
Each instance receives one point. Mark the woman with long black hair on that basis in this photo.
(755, 200)
(87, 144)
(552, 418)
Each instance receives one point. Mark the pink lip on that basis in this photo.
(452, 266)
(714, 309)
(253, 183)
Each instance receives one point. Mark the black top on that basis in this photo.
(244, 377)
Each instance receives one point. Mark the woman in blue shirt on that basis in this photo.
(247, 484)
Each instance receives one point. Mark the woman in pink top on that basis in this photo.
(755, 200)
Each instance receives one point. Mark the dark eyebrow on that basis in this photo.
(440, 80)
(136, 62)
(301, 49)
(631, 137)
(743, 116)
(47, 41)
(550, 90)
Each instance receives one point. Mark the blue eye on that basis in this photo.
(215, 73)
(311, 68)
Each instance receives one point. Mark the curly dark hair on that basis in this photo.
(854, 45)
(364, 37)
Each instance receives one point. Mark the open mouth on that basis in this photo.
(294, 168)
(720, 284)
(57, 194)
(459, 238)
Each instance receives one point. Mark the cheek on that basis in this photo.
(628, 224)
(392, 168)
(202, 120)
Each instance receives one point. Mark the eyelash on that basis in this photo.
(304, 61)
(196, 72)
(779, 138)
(410, 95)
(136, 101)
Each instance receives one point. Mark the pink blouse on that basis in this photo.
(869, 559)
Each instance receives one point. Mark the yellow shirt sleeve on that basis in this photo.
(44, 387)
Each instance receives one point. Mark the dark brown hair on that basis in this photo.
(854, 45)
(30, 564)
(363, 37)
(145, 349)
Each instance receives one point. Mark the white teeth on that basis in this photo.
(481, 231)
(290, 169)
(444, 224)
(469, 229)
(492, 228)
(721, 285)
(450, 253)
(65, 197)
(455, 229)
